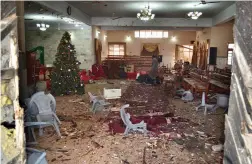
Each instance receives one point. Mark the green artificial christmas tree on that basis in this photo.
(65, 77)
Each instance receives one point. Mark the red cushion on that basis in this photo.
(143, 72)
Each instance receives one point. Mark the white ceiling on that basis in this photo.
(36, 13)
(162, 9)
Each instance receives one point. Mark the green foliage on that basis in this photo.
(65, 77)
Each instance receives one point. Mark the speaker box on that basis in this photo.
(212, 55)
(160, 58)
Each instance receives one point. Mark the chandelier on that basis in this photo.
(43, 26)
(145, 14)
(194, 14)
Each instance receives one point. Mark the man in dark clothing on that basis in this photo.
(154, 68)
(151, 77)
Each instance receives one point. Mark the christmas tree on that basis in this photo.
(65, 77)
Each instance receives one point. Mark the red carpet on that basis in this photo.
(157, 124)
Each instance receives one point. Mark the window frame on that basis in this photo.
(156, 34)
(230, 49)
(119, 43)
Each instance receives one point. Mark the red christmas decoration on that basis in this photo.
(97, 71)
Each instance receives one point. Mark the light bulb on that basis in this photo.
(42, 25)
(38, 25)
(42, 28)
(47, 26)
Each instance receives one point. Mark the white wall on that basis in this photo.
(166, 46)
(49, 39)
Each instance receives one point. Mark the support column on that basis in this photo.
(23, 89)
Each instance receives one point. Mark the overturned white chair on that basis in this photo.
(42, 109)
(142, 126)
(204, 105)
(99, 102)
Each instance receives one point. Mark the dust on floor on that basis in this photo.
(86, 139)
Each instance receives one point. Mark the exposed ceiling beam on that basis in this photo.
(225, 16)
(61, 7)
(129, 28)
(157, 22)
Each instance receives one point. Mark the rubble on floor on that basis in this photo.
(178, 134)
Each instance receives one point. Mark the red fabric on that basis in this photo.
(84, 77)
(157, 124)
(131, 75)
(97, 71)
(143, 73)
(48, 84)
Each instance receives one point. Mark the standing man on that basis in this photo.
(154, 70)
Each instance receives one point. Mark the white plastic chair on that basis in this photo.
(142, 126)
(204, 105)
(42, 107)
(187, 96)
(31, 137)
(35, 156)
(99, 102)
(92, 97)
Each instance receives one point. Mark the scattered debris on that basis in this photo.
(109, 82)
(189, 135)
(200, 133)
(54, 159)
(74, 124)
(62, 150)
(207, 145)
(217, 148)
(122, 83)
(144, 154)
(125, 162)
(75, 100)
(86, 138)
(96, 145)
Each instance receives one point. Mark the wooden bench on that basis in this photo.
(141, 63)
(219, 83)
(196, 83)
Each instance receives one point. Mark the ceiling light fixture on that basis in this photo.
(128, 38)
(145, 14)
(173, 39)
(42, 26)
(194, 14)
